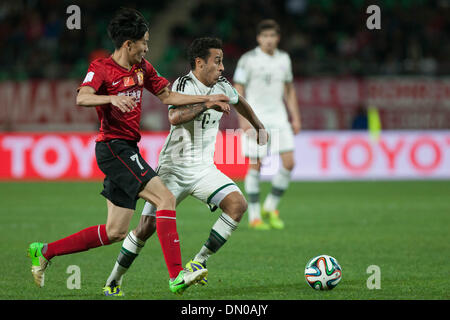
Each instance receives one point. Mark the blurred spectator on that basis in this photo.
(360, 121)
(326, 37)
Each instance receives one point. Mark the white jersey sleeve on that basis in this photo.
(228, 90)
(183, 85)
(242, 73)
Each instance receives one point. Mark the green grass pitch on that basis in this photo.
(402, 227)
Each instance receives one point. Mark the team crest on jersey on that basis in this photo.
(140, 78)
(128, 81)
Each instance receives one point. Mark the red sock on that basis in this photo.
(83, 240)
(166, 228)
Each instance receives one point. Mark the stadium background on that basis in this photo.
(341, 68)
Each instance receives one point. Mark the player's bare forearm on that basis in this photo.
(87, 98)
(292, 105)
(246, 111)
(185, 114)
(292, 102)
(240, 89)
(243, 123)
(173, 98)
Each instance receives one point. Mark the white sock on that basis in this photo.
(251, 185)
(219, 234)
(280, 183)
(131, 247)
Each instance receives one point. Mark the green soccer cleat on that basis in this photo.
(113, 289)
(274, 219)
(194, 266)
(258, 224)
(38, 263)
(185, 279)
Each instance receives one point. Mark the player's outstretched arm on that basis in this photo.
(243, 123)
(87, 98)
(246, 111)
(185, 114)
(173, 98)
(292, 104)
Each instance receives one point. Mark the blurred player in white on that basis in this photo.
(186, 162)
(264, 76)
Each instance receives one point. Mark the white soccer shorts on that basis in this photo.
(281, 140)
(208, 184)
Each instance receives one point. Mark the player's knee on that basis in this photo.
(115, 235)
(243, 206)
(255, 165)
(289, 164)
(236, 208)
(168, 201)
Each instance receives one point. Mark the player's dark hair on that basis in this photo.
(199, 48)
(267, 24)
(127, 24)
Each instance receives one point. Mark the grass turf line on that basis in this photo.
(401, 226)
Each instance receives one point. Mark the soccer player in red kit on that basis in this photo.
(114, 87)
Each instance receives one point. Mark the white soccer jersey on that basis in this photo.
(192, 144)
(264, 77)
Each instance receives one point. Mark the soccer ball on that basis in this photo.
(323, 272)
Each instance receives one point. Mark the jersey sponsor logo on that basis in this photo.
(135, 93)
(128, 81)
(205, 121)
(89, 77)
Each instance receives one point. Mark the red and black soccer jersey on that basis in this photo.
(109, 78)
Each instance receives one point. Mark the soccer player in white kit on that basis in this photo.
(186, 163)
(264, 76)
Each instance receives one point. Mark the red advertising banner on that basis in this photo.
(71, 156)
(318, 155)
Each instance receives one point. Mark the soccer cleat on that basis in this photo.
(258, 224)
(185, 279)
(274, 219)
(113, 289)
(194, 266)
(38, 263)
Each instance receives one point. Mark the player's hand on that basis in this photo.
(218, 106)
(263, 137)
(296, 126)
(124, 103)
(218, 97)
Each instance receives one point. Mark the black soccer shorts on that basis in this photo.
(126, 172)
